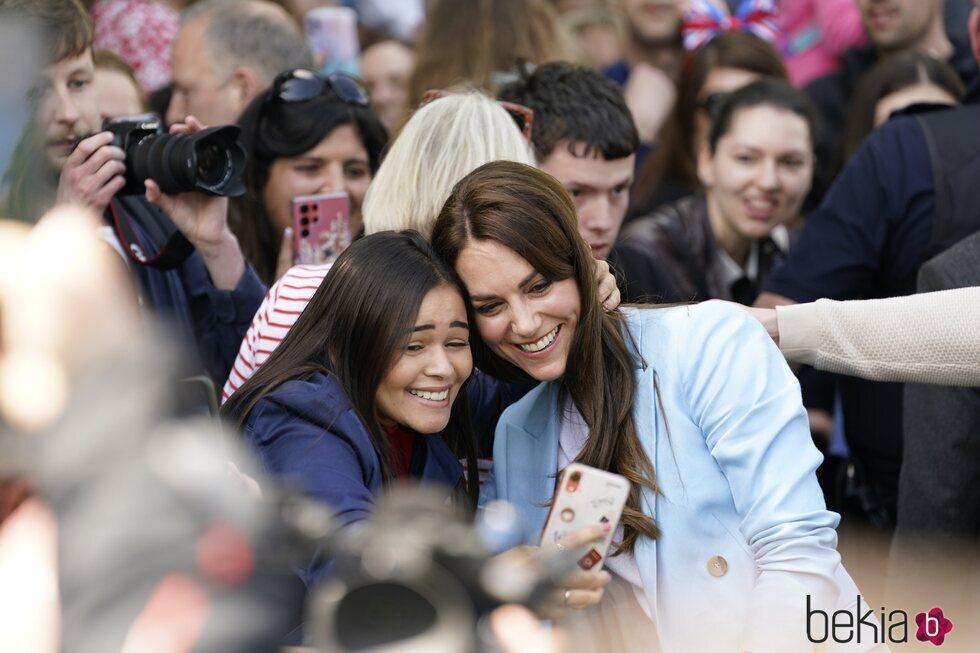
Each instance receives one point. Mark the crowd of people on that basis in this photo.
(726, 250)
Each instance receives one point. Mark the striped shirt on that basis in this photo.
(276, 315)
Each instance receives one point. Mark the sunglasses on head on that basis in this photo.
(713, 101)
(523, 116)
(301, 85)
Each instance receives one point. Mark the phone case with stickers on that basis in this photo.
(586, 496)
(321, 227)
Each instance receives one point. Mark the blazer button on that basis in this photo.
(717, 566)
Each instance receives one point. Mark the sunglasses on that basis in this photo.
(523, 116)
(302, 85)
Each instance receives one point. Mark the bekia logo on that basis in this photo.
(843, 626)
(933, 626)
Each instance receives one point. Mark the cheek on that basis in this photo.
(357, 188)
(491, 330)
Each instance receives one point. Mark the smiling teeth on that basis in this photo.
(431, 396)
(540, 344)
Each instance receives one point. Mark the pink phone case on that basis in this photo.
(586, 496)
(321, 227)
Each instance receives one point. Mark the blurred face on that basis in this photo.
(67, 106)
(523, 317)
(419, 390)
(339, 163)
(653, 21)
(759, 174)
(926, 92)
(896, 24)
(719, 80)
(600, 190)
(118, 96)
(198, 88)
(386, 69)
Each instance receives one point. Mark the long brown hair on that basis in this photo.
(465, 43)
(354, 330)
(529, 212)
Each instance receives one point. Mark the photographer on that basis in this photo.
(211, 295)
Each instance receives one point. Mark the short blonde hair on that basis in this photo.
(439, 145)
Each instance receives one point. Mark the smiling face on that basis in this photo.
(419, 390)
(521, 316)
(758, 175)
(339, 163)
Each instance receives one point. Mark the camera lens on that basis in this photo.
(213, 165)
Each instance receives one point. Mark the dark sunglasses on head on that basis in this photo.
(301, 85)
(523, 116)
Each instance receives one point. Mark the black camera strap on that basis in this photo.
(147, 234)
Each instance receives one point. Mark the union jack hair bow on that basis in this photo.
(706, 19)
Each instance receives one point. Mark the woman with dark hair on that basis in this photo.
(305, 134)
(724, 64)
(755, 170)
(369, 384)
(725, 523)
(906, 79)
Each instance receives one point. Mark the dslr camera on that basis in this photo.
(210, 161)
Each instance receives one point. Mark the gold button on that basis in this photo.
(717, 566)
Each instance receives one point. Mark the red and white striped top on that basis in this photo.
(276, 315)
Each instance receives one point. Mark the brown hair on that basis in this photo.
(109, 60)
(891, 74)
(465, 43)
(674, 161)
(65, 24)
(354, 330)
(529, 212)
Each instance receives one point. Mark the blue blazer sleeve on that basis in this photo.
(747, 404)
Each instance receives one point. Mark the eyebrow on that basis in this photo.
(455, 324)
(523, 282)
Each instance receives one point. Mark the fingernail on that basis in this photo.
(606, 526)
(287, 232)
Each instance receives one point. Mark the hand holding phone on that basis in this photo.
(586, 496)
(321, 227)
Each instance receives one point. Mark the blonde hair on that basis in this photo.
(440, 144)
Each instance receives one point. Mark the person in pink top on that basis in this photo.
(813, 34)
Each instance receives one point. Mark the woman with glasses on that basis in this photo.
(305, 135)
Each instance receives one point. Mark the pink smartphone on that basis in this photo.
(586, 496)
(321, 227)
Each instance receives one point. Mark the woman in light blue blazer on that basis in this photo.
(725, 541)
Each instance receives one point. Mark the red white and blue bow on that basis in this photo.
(706, 19)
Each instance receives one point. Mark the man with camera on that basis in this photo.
(189, 266)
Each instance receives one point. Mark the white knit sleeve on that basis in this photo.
(925, 338)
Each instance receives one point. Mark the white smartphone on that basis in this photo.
(586, 496)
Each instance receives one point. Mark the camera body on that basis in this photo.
(210, 161)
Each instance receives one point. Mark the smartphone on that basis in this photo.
(321, 227)
(331, 33)
(586, 496)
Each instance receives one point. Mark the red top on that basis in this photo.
(402, 444)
